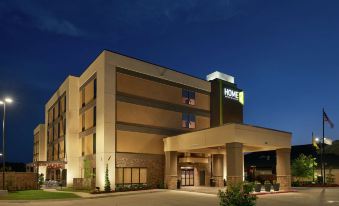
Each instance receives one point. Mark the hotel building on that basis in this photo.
(150, 124)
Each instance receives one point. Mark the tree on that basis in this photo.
(303, 166)
(107, 182)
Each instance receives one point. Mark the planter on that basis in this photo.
(178, 184)
(212, 182)
(276, 187)
(268, 187)
(257, 187)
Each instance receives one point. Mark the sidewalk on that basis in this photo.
(91, 196)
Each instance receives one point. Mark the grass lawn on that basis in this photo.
(37, 195)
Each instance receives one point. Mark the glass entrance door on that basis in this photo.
(187, 177)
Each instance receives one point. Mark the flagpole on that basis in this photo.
(322, 150)
(313, 156)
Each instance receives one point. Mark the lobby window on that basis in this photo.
(188, 97)
(188, 120)
(131, 175)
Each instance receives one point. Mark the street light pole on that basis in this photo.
(3, 146)
(3, 102)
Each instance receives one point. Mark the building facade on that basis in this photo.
(137, 118)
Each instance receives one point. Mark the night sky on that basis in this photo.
(284, 54)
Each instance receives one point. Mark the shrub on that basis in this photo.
(237, 195)
(41, 179)
(107, 182)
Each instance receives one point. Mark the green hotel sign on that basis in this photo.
(234, 95)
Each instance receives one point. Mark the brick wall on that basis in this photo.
(84, 184)
(154, 164)
(20, 181)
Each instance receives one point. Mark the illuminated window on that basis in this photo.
(89, 144)
(188, 120)
(130, 175)
(188, 97)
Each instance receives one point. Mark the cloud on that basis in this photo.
(59, 26)
(27, 13)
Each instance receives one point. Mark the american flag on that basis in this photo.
(326, 119)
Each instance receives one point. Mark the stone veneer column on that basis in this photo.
(218, 169)
(283, 168)
(171, 175)
(235, 159)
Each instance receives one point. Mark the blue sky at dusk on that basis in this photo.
(283, 53)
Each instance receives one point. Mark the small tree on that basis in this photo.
(303, 167)
(107, 182)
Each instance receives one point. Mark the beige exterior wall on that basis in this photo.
(138, 114)
(117, 60)
(158, 91)
(70, 87)
(105, 123)
(138, 142)
(39, 137)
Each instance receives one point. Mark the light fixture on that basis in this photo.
(8, 100)
(1, 102)
(317, 139)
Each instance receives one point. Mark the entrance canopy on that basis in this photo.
(211, 140)
(48, 164)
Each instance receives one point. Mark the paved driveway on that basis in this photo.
(308, 197)
(304, 196)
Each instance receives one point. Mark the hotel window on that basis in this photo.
(94, 116)
(83, 122)
(83, 97)
(61, 149)
(63, 105)
(88, 144)
(188, 97)
(188, 120)
(130, 175)
(59, 108)
(95, 88)
(94, 143)
(64, 126)
(56, 151)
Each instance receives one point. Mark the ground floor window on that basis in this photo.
(131, 175)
